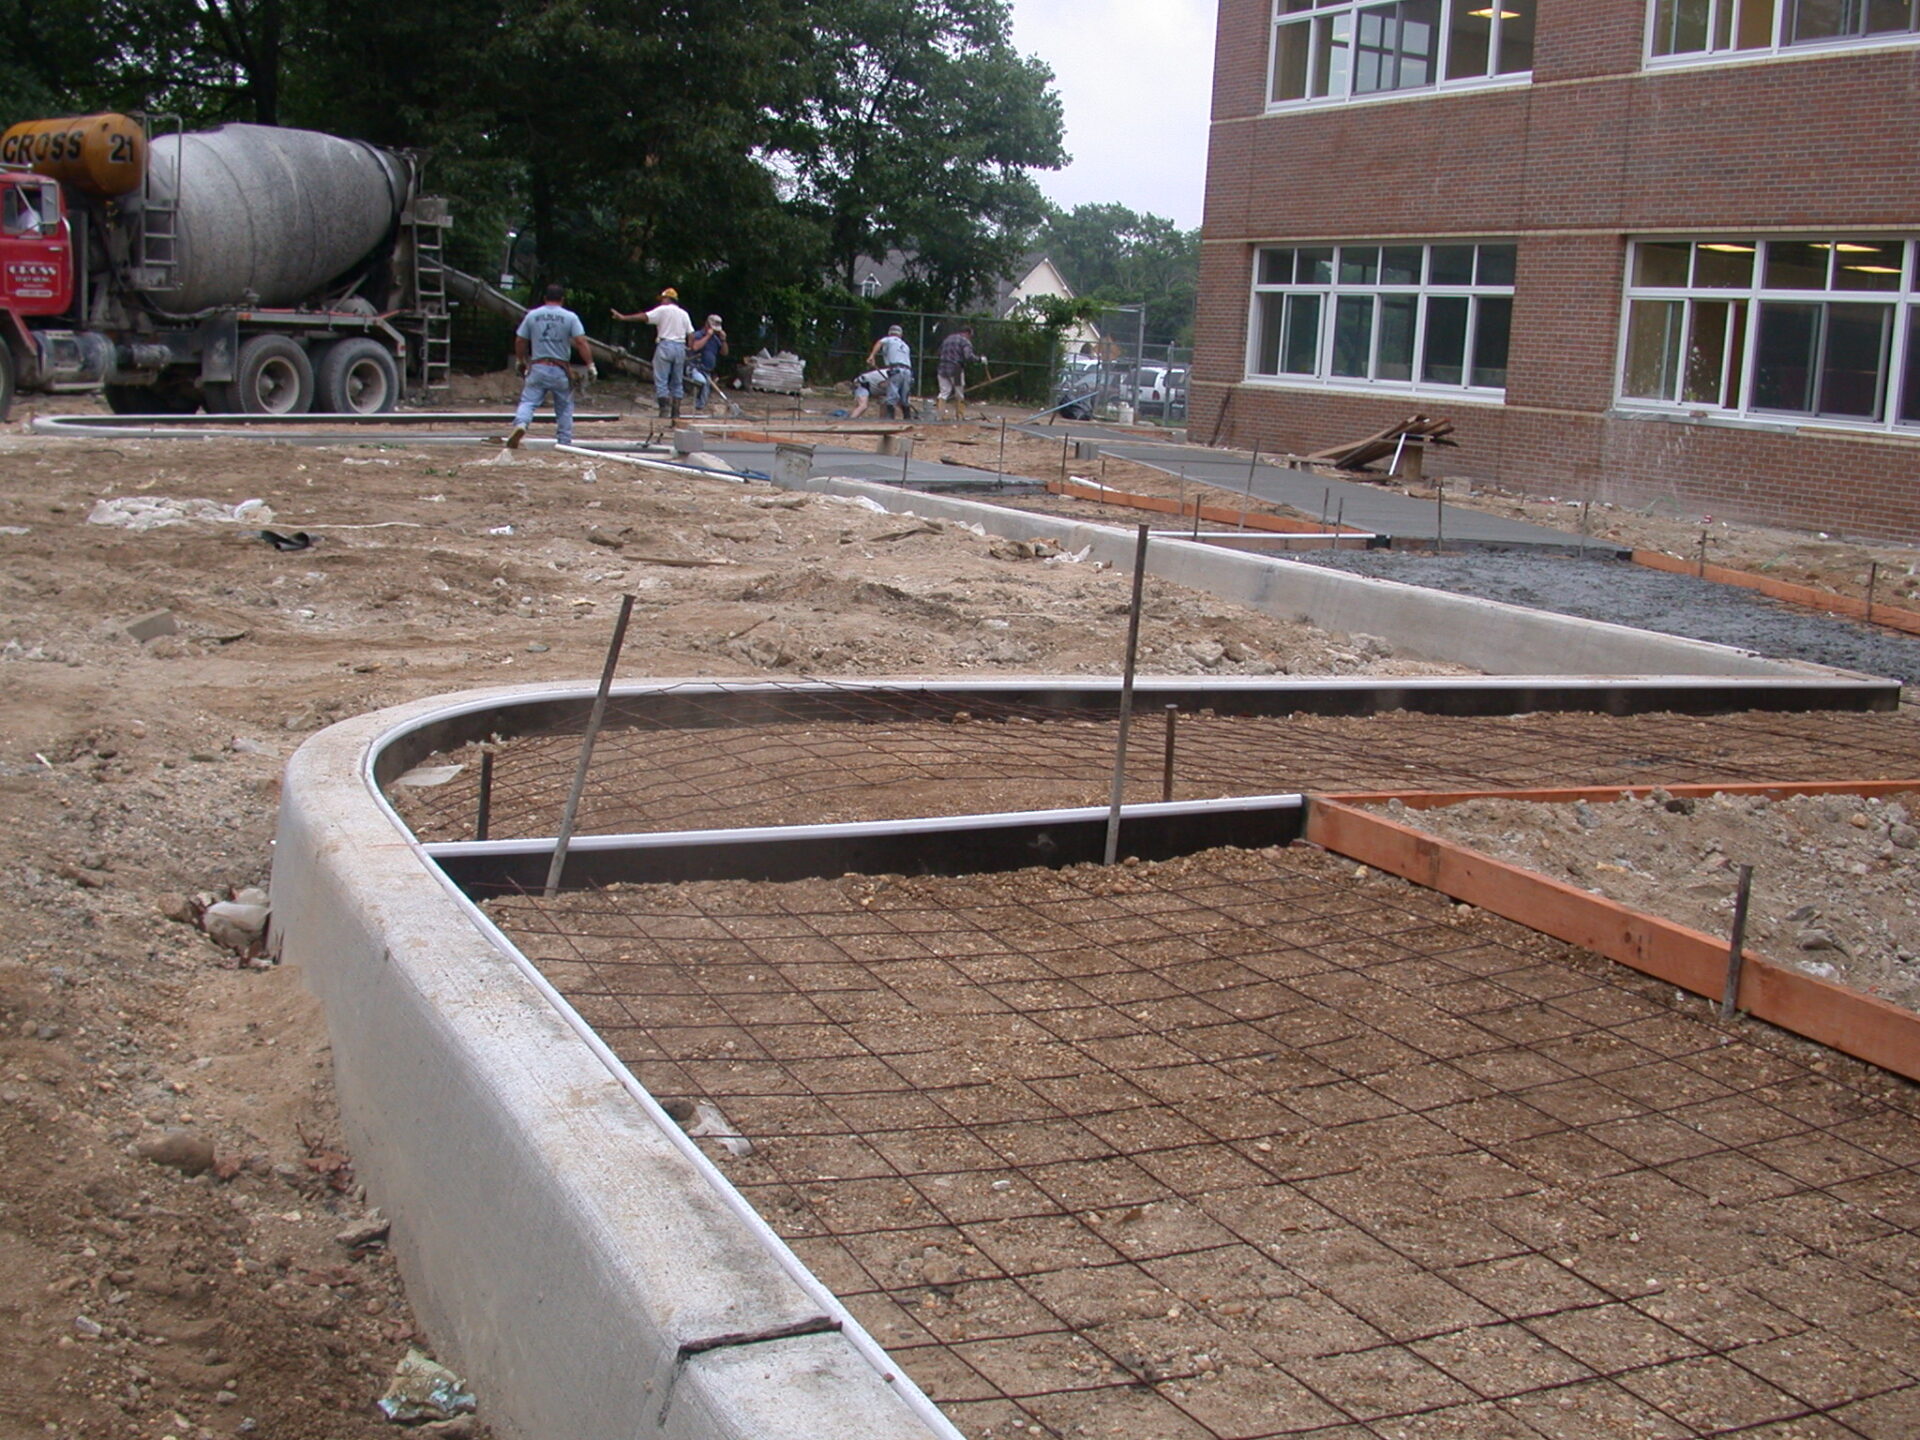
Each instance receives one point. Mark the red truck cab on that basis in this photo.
(36, 258)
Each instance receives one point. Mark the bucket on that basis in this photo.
(1124, 414)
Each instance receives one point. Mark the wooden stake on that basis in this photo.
(1126, 697)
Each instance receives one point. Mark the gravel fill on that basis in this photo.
(1629, 594)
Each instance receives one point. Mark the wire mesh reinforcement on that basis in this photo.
(869, 762)
(1247, 1145)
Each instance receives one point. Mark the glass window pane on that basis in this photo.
(1910, 387)
(1469, 40)
(1516, 37)
(1723, 264)
(1661, 262)
(1865, 265)
(1359, 264)
(1680, 26)
(1823, 19)
(1266, 352)
(1653, 348)
(1707, 351)
(1394, 360)
(1492, 329)
(1276, 267)
(1443, 360)
(1315, 266)
(1853, 371)
(1400, 264)
(1352, 335)
(1332, 54)
(1451, 265)
(1301, 350)
(1754, 25)
(1796, 265)
(1889, 17)
(1496, 264)
(1784, 357)
(1394, 45)
(1292, 49)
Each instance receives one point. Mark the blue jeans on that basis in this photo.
(701, 382)
(670, 369)
(544, 379)
(899, 382)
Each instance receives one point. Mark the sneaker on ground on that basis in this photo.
(515, 436)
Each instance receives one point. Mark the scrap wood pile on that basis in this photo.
(1414, 431)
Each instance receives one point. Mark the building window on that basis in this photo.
(1822, 329)
(1693, 28)
(1414, 316)
(1352, 49)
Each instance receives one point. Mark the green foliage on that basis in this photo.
(1107, 252)
(740, 150)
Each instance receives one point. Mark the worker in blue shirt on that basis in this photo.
(549, 340)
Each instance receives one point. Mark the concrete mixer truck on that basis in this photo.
(246, 269)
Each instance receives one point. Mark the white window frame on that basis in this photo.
(1330, 292)
(1333, 12)
(1780, 44)
(1903, 304)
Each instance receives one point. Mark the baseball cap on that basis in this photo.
(715, 320)
(894, 330)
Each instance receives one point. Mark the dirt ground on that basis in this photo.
(1836, 888)
(201, 1286)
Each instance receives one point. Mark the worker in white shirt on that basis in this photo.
(672, 326)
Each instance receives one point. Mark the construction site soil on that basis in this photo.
(173, 1187)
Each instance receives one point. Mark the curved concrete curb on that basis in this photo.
(566, 1244)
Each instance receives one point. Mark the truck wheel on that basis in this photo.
(357, 377)
(272, 377)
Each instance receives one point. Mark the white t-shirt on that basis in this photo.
(670, 321)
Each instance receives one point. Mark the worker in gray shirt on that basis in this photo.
(550, 339)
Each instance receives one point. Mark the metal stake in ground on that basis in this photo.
(565, 837)
(1736, 948)
(1873, 582)
(1000, 471)
(1439, 516)
(1166, 768)
(1126, 697)
(485, 817)
(1247, 499)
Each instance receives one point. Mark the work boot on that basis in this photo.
(676, 408)
(515, 436)
(663, 407)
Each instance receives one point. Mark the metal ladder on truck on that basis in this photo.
(156, 258)
(427, 220)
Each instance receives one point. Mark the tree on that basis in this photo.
(918, 128)
(1110, 253)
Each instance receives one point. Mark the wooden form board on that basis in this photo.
(1219, 514)
(1856, 1024)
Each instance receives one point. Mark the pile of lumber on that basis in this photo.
(784, 373)
(1410, 433)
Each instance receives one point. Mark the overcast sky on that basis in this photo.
(1134, 78)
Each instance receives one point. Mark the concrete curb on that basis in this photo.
(568, 1247)
(1484, 634)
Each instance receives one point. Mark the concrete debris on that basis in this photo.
(152, 626)
(150, 512)
(369, 1231)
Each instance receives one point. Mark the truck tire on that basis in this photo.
(272, 376)
(357, 377)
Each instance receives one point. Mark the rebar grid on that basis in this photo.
(880, 762)
(1247, 1145)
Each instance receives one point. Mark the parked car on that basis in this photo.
(1158, 390)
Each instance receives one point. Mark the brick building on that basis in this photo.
(1637, 250)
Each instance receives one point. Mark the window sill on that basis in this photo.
(1517, 81)
(1764, 425)
(1445, 394)
(1812, 50)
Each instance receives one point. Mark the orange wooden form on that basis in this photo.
(1220, 514)
(1891, 616)
(1859, 1025)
